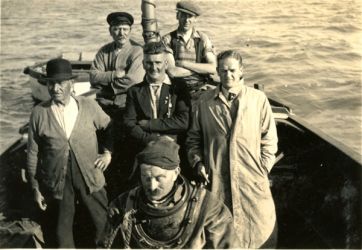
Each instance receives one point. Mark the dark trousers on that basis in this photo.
(59, 215)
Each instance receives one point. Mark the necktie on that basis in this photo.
(231, 96)
(155, 88)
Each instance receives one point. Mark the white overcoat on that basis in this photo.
(237, 144)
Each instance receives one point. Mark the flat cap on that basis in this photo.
(117, 18)
(162, 153)
(188, 7)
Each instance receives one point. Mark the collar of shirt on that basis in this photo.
(66, 115)
(117, 50)
(225, 92)
(185, 37)
(71, 104)
(166, 80)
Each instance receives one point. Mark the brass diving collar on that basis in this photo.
(191, 198)
(165, 211)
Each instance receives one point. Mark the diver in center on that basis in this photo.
(165, 210)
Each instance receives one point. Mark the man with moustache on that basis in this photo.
(193, 57)
(64, 166)
(117, 65)
(231, 144)
(166, 211)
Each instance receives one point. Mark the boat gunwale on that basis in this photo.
(301, 122)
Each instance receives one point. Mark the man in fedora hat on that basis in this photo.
(194, 58)
(63, 164)
(165, 210)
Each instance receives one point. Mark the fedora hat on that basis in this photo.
(58, 70)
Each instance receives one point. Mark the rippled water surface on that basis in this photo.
(307, 53)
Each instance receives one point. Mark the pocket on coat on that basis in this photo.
(262, 188)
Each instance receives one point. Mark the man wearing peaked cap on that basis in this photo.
(188, 7)
(116, 67)
(63, 161)
(192, 56)
(117, 18)
(165, 196)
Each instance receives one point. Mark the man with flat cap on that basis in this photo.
(166, 211)
(117, 65)
(194, 58)
(64, 166)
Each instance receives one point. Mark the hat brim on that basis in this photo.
(60, 78)
(187, 11)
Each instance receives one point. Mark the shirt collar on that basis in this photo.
(166, 80)
(71, 102)
(236, 90)
(194, 34)
(127, 44)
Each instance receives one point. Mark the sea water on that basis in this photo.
(307, 53)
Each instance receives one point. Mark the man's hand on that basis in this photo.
(201, 172)
(143, 124)
(39, 199)
(103, 160)
(119, 73)
(112, 211)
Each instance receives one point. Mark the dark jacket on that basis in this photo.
(48, 147)
(173, 119)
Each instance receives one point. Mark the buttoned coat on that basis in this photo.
(48, 147)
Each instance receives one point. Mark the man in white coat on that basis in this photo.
(231, 145)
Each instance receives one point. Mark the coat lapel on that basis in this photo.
(144, 99)
(164, 100)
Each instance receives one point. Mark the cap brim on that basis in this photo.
(187, 11)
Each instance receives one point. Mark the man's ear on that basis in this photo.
(177, 173)
(166, 61)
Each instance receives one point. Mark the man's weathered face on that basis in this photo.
(230, 72)
(120, 33)
(60, 91)
(185, 21)
(157, 182)
(155, 66)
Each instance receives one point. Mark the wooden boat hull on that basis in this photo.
(316, 182)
